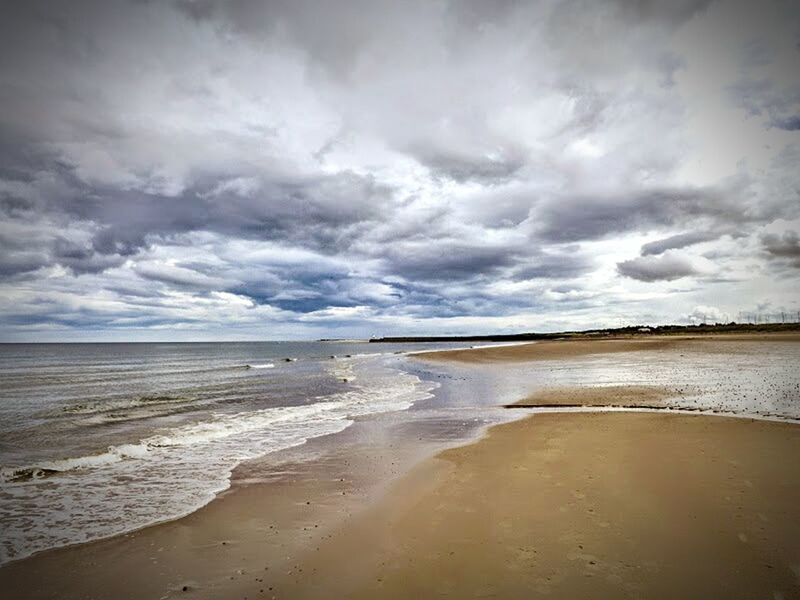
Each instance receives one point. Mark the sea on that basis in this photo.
(99, 439)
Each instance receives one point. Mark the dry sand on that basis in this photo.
(593, 505)
(629, 396)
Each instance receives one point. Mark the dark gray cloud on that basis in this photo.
(17, 263)
(488, 167)
(667, 267)
(594, 217)
(322, 212)
(784, 247)
(431, 261)
(681, 240)
(563, 265)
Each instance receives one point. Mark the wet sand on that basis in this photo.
(593, 505)
(570, 348)
(243, 534)
(242, 541)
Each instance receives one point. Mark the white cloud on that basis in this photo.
(431, 167)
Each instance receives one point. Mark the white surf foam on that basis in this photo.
(177, 470)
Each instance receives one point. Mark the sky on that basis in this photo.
(245, 170)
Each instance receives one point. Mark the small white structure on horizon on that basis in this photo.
(644, 330)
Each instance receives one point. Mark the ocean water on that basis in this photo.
(99, 439)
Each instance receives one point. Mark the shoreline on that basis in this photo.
(282, 513)
(275, 506)
(30, 488)
(313, 567)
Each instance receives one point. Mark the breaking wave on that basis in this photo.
(176, 470)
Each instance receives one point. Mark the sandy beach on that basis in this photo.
(651, 504)
(570, 348)
(581, 506)
(399, 300)
(630, 396)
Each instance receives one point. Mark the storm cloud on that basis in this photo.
(293, 169)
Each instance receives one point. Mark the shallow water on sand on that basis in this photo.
(760, 378)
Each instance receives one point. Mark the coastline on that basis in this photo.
(569, 348)
(274, 508)
(287, 523)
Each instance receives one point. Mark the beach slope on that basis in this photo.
(591, 505)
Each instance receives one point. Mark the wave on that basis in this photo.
(24, 474)
(221, 427)
(262, 366)
(54, 467)
(176, 470)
